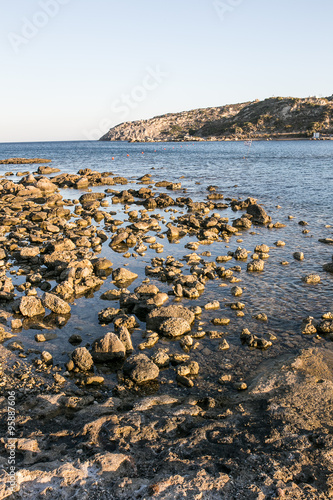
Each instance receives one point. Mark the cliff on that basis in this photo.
(272, 118)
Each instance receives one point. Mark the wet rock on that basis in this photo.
(75, 339)
(224, 346)
(122, 274)
(16, 324)
(27, 253)
(212, 305)
(125, 338)
(140, 369)
(262, 248)
(161, 358)
(328, 267)
(44, 337)
(174, 327)
(55, 304)
(298, 255)
(259, 216)
(327, 241)
(156, 317)
(31, 306)
(326, 326)
(279, 243)
(47, 358)
(236, 291)
(311, 279)
(220, 321)
(107, 315)
(255, 266)
(309, 326)
(108, 348)
(240, 254)
(82, 359)
(261, 317)
(149, 290)
(253, 340)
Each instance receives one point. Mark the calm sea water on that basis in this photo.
(297, 176)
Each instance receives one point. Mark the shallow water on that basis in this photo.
(295, 175)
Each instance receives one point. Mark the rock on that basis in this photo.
(122, 274)
(259, 216)
(47, 358)
(157, 316)
(327, 241)
(240, 254)
(125, 338)
(298, 255)
(44, 337)
(212, 305)
(279, 243)
(183, 380)
(101, 264)
(16, 324)
(174, 327)
(149, 290)
(326, 326)
(27, 253)
(328, 267)
(236, 291)
(55, 304)
(94, 380)
(262, 248)
(255, 266)
(224, 346)
(140, 369)
(82, 359)
(220, 321)
(161, 358)
(107, 315)
(309, 326)
(311, 279)
(108, 348)
(261, 317)
(31, 306)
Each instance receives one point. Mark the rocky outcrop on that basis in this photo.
(275, 117)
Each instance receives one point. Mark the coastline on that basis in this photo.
(160, 425)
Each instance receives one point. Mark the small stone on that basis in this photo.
(240, 386)
(212, 305)
(311, 279)
(298, 256)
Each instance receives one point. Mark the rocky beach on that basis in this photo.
(161, 345)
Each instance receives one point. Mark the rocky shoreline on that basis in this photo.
(160, 431)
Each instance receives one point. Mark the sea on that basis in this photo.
(289, 178)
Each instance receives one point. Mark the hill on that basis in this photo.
(272, 118)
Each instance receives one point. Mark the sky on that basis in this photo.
(71, 69)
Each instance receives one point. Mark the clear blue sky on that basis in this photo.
(70, 69)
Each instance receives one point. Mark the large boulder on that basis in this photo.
(157, 316)
(108, 348)
(55, 304)
(141, 369)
